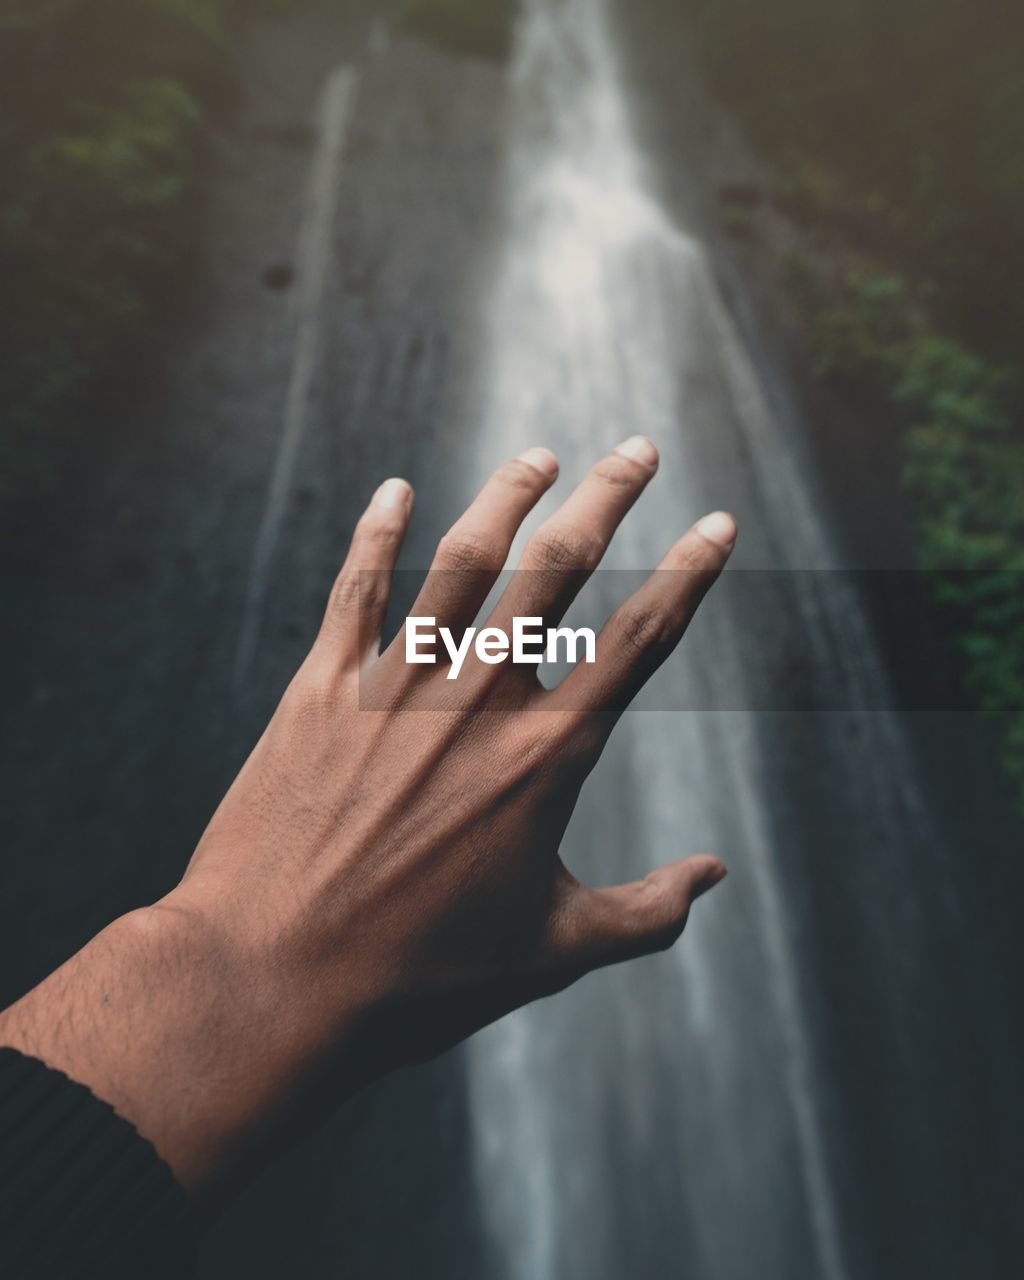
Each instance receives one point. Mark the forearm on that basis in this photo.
(151, 1016)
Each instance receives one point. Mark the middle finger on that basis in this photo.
(568, 547)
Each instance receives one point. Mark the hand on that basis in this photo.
(378, 884)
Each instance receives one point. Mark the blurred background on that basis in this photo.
(258, 255)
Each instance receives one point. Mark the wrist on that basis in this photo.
(270, 1032)
(151, 1017)
(223, 1056)
(219, 1047)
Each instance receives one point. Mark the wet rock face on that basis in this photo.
(466, 27)
(129, 589)
(278, 277)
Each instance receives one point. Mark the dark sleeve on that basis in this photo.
(81, 1193)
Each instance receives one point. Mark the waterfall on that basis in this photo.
(668, 1118)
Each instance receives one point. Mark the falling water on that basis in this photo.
(669, 1118)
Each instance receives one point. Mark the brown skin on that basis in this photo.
(378, 884)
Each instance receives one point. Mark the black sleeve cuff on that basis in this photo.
(82, 1194)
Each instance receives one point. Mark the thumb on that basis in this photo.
(631, 920)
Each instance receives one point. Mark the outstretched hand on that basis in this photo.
(383, 878)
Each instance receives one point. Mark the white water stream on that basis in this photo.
(662, 1119)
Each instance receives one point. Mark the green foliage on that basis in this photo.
(898, 130)
(102, 103)
(905, 120)
(864, 336)
(964, 471)
(478, 28)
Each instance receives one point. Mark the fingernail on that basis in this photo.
(542, 459)
(720, 528)
(640, 449)
(394, 494)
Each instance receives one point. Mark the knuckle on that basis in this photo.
(519, 476)
(556, 750)
(344, 595)
(698, 564)
(580, 736)
(618, 473)
(464, 550)
(536, 748)
(358, 597)
(372, 591)
(313, 696)
(563, 547)
(643, 628)
(381, 528)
